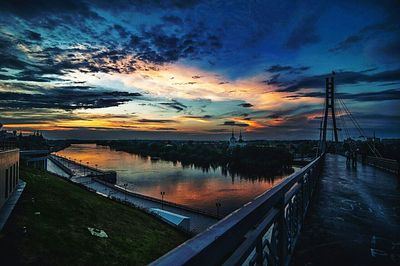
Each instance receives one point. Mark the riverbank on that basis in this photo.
(197, 188)
(199, 219)
(50, 224)
(251, 161)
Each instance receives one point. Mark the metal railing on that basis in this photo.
(384, 163)
(164, 202)
(262, 232)
(7, 145)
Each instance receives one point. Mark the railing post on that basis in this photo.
(282, 233)
(259, 252)
(303, 208)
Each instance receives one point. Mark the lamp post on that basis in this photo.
(162, 193)
(218, 205)
(125, 186)
(87, 164)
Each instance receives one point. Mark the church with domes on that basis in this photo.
(233, 142)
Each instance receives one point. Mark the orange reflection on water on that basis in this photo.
(211, 191)
(184, 185)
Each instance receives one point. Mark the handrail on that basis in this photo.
(10, 150)
(6, 145)
(384, 164)
(81, 164)
(62, 166)
(128, 192)
(265, 229)
(164, 202)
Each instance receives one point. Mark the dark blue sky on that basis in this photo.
(196, 69)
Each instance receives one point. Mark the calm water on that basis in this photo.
(188, 186)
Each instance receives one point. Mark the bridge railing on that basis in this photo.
(264, 231)
(7, 145)
(384, 163)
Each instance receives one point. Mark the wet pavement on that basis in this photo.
(354, 218)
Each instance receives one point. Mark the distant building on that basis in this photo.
(233, 143)
(9, 173)
(6, 135)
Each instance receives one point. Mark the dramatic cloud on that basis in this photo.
(344, 78)
(33, 35)
(386, 95)
(234, 123)
(65, 98)
(198, 116)
(175, 105)
(134, 68)
(247, 105)
(305, 33)
(29, 9)
(366, 33)
(162, 121)
(274, 80)
(347, 43)
(289, 69)
(172, 19)
(166, 129)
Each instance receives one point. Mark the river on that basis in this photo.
(190, 186)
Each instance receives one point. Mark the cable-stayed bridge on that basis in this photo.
(328, 213)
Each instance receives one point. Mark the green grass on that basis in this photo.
(59, 235)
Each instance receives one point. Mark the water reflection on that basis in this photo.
(187, 185)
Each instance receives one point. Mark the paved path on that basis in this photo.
(354, 218)
(198, 222)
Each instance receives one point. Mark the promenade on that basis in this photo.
(198, 221)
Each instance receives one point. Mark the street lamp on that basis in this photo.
(162, 193)
(218, 205)
(125, 185)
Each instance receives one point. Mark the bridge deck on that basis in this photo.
(354, 218)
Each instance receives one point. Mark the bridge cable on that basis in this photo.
(352, 118)
(358, 127)
(342, 118)
(340, 122)
(360, 130)
(320, 126)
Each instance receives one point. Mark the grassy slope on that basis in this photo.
(59, 235)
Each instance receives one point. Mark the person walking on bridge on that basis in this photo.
(354, 158)
(348, 155)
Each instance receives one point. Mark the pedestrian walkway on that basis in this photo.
(354, 218)
(198, 221)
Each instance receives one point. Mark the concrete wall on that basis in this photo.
(9, 173)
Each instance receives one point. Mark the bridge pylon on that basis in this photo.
(329, 105)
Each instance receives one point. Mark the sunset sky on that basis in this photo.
(196, 69)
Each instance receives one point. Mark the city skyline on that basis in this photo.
(196, 69)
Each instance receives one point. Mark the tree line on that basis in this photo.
(248, 161)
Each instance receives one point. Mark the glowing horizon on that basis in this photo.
(174, 72)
